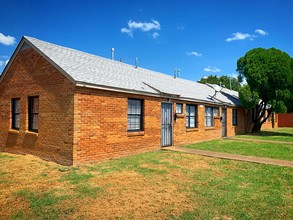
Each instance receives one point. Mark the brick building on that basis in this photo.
(286, 120)
(72, 107)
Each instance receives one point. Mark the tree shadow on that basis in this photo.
(273, 133)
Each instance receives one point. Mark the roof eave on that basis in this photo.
(159, 95)
(20, 44)
(12, 58)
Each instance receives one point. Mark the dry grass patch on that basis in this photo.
(131, 195)
(158, 185)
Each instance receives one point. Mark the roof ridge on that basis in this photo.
(110, 60)
(97, 56)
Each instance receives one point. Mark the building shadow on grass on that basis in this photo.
(273, 133)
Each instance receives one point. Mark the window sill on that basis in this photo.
(209, 128)
(32, 133)
(13, 131)
(191, 129)
(135, 133)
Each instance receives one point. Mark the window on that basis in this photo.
(208, 117)
(33, 114)
(179, 108)
(135, 114)
(234, 117)
(15, 114)
(191, 116)
(216, 112)
(210, 113)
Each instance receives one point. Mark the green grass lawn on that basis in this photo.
(259, 149)
(278, 134)
(156, 185)
(253, 148)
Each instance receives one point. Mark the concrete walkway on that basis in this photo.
(263, 160)
(259, 140)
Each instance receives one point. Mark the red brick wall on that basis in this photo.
(266, 125)
(100, 126)
(183, 135)
(82, 125)
(31, 75)
(286, 120)
(240, 127)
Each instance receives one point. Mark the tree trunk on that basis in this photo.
(256, 127)
(258, 122)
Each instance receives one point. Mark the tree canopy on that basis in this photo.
(269, 75)
(222, 80)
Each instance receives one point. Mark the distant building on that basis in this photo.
(286, 120)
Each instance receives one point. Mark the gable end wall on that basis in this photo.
(31, 75)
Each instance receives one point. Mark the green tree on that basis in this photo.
(269, 75)
(223, 80)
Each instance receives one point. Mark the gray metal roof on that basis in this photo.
(88, 69)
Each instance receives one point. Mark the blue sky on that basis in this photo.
(199, 37)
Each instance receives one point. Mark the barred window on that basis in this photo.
(15, 114)
(33, 113)
(135, 115)
(191, 112)
(179, 108)
(234, 117)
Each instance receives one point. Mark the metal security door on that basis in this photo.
(224, 122)
(166, 127)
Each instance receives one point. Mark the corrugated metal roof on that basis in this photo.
(95, 70)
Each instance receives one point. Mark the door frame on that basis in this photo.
(172, 121)
(224, 121)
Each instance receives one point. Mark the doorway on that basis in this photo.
(224, 122)
(166, 126)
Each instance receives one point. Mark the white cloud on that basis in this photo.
(1, 63)
(142, 26)
(240, 36)
(193, 53)
(180, 28)
(7, 40)
(127, 31)
(212, 69)
(261, 32)
(155, 35)
(6, 62)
